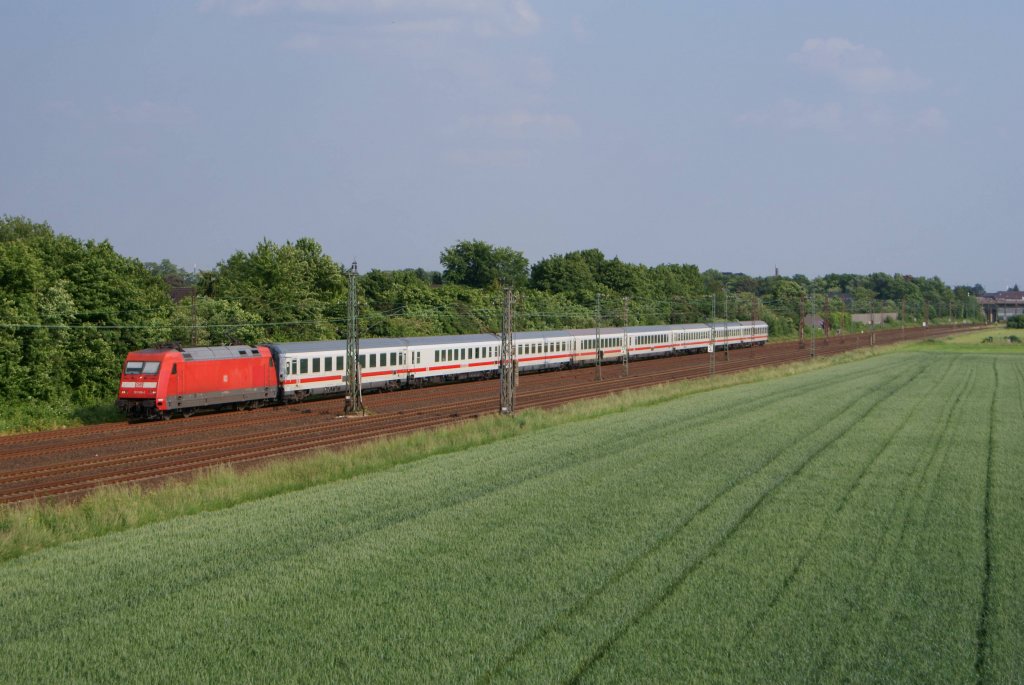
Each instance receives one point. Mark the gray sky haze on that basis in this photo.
(740, 136)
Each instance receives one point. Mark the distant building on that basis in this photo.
(875, 318)
(1002, 305)
(181, 292)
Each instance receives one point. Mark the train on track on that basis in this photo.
(178, 381)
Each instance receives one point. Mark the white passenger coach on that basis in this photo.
(319, 368)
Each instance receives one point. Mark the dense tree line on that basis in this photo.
(71, 310)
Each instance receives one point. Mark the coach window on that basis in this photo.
(394, 359)
(362, 361)
(328, 364)
(316, 365)
(303, 366)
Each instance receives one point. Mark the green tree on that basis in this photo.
(478, 264)
(297, 291)
(69, 312)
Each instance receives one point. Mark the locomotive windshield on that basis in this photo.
(144, 368)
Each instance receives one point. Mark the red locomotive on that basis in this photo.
(157, 383)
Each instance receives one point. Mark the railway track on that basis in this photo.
(70, 462)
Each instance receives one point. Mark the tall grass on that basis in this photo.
(27, 416)
(862, 523)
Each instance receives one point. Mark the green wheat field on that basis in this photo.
(862, 522)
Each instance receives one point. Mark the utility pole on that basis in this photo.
(903, 319)
(354, 383)
(625, 336)
(195, 319)
(711, 348)
(597, 341)
(814, 324)
(725, 298)
(873, 323)
(826, 321)
(842, 315)
(803, 313)
(507, 364)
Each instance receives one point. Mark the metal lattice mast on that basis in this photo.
(725, 303)
(873, 323)
(597, 341)
(507, 361)
(354, 384)
(826, 321)
(625, 336)
(195, 319)
(814, 323)
(711, 347)
(843, 327)
(803, 315)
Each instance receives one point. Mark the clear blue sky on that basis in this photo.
(812, 136)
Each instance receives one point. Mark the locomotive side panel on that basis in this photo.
(248, 376)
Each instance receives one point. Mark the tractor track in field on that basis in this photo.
(70, 462)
